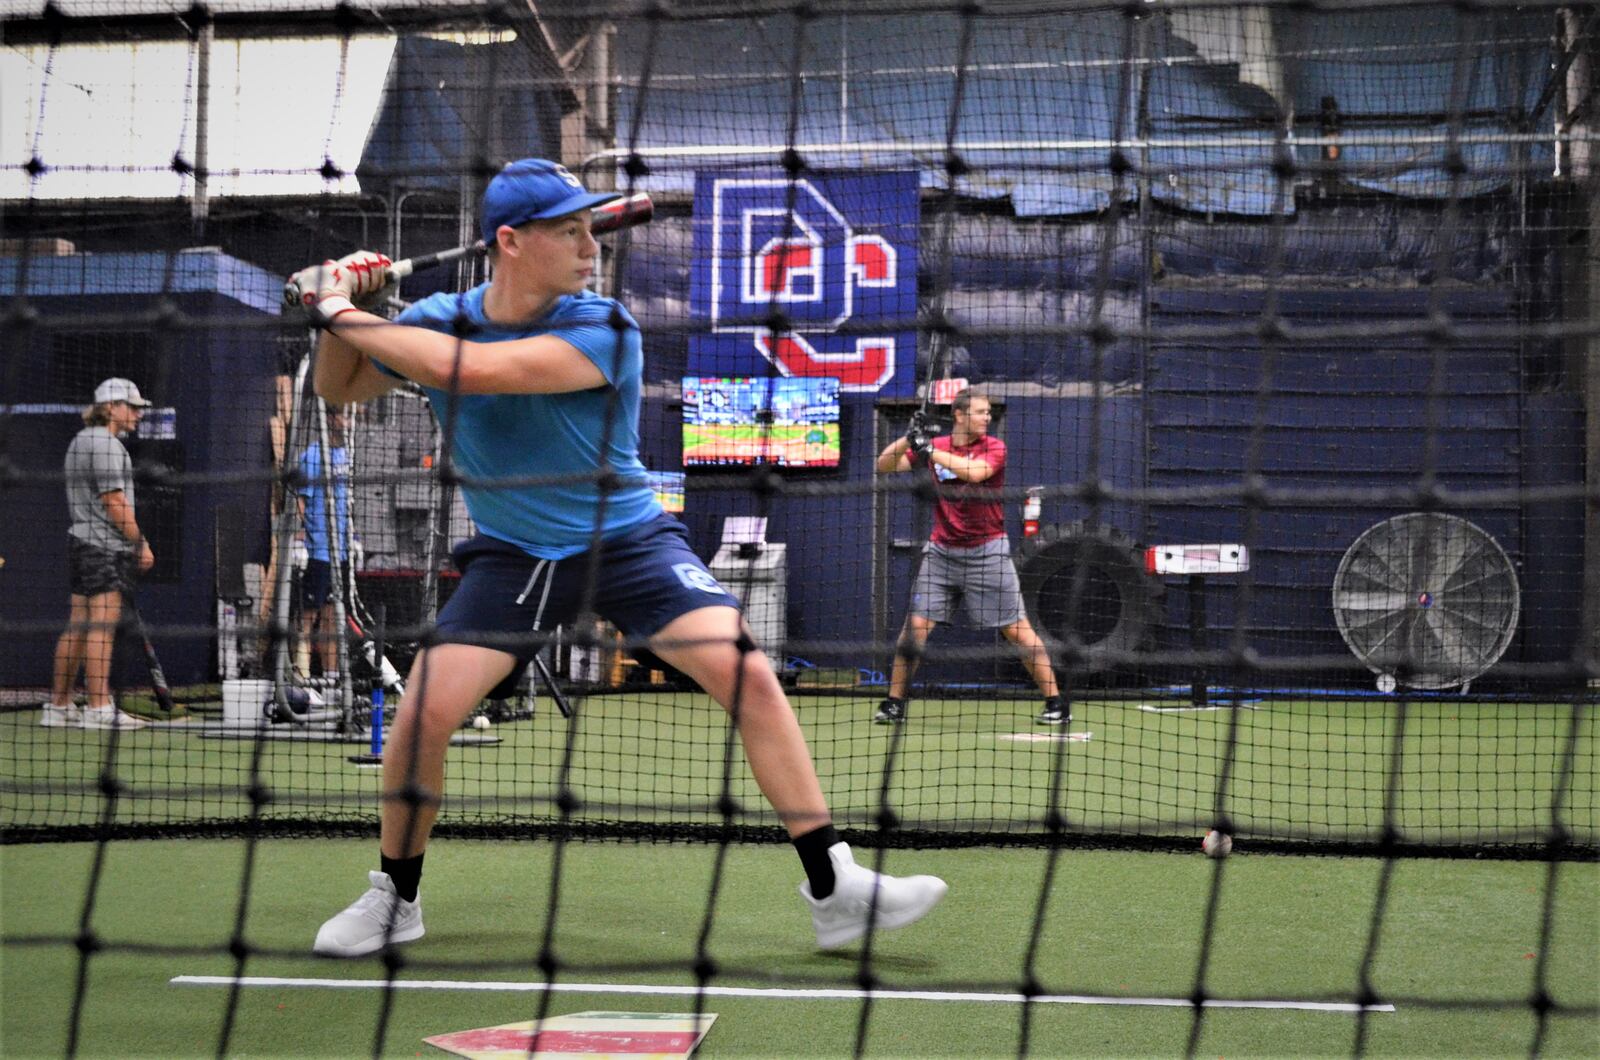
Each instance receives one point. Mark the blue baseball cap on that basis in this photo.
(535, 189)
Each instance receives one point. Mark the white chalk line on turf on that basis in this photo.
(1156, 708)
(822, 993)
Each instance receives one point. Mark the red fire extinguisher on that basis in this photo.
(1030, 511)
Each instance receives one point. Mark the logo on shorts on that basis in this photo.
(698, 578)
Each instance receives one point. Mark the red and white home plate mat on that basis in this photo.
(592, 1035)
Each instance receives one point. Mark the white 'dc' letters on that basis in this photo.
(696, 578)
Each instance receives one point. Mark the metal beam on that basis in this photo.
(53, 25)
(1580, 40)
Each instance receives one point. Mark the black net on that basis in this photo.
(1282, 314)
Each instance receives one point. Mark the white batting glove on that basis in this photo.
(366, 272)
(336, 287)
(314, 281)
(323, 290)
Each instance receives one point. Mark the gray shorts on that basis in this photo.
(982, 581)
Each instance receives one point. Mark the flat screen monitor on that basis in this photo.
(741, 420)
(668, 487)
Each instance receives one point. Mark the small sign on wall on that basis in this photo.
(945, 390)
(159, 424)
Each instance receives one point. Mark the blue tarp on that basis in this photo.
(1043, 98)
(437, 122)
(199, 270)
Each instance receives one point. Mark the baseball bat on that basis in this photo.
(627, 212)
(158, 678)
(608, 217)
(387, 675)
(935, 348)
(550, 683)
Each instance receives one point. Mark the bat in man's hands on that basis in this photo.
(613, 216)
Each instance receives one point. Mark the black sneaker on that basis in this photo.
(890, 712)
(1055, 712)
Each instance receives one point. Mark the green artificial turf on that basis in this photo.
(1456, 950)
(1463, 773)
(1458, 945)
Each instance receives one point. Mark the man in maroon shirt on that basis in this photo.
(967, 562)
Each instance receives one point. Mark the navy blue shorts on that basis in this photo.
(644, 579)
(316, 584)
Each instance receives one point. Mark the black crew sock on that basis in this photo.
(405, 872)
(813, 850)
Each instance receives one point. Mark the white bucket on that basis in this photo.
(242, 701)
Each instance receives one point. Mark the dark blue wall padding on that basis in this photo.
(1346, 413)
(1551, 564)
(1345, 408)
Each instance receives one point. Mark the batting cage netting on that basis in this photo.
(1118, 423)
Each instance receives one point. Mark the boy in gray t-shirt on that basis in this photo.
(97, 463)
(104, 549)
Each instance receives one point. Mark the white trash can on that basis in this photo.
(758, 575)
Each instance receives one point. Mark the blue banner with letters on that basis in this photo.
(834, 253)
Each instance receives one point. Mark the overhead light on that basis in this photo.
(475, 36)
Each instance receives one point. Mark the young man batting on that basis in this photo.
(533, 377)
(967, 562)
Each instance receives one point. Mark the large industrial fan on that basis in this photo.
(1089, 584)
(1426, 600)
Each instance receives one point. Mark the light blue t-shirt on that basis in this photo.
(514, 436)
(316, 520)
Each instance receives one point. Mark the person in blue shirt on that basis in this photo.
(536, 382)
(316, 580)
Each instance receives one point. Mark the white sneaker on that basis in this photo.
(842, 917)
(54, 717)
(110, 718)
(376, 917)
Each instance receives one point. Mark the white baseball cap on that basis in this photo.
(119, 389)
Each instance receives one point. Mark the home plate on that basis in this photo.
(593, 1035)
(1048, 737)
